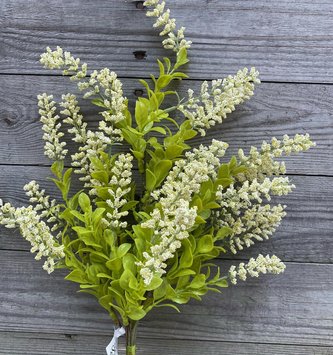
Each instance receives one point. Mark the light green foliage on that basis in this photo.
(154, 243)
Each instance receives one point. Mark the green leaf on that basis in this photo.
(145, 84)
(211, 205)
(141, 114)
(127, 280)
(163, 81)
(161, 66)
(199, 220)
(159, 130)
(98, 102)
(167, 63)
(60, 185)
(136, 313)
(150, 180)
(77, 276)
(84, 202)
(198, 281)
(129, 205)
(186, 258)
(181, 58)
(233, 162)
(184, 272)
(161, 170)
(205, 244)
(160, 291)
(142, 233)
(174, 151)
(179, 75)
(114, 264)
(239, 169)
(223, 232)
(97, 216)
(169, 305)
(67, 181)
(102, 275)
(105, 301)
(205, 214)
(225, 182)
(57, 168)
(101, 176)
(109, 237)
(222, 283)
(224, 171)
(138, 155)
(155, 282)
(123, 249)
(129, 263)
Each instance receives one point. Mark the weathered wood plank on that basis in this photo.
(275, 109)
(305, 234)
(293, 308)
(281, 38)
(16, 343)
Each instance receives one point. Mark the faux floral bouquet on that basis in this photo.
(151, 243)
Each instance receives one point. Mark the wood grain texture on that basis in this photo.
(274, 110)
(291, 44)
(305, 234)
(288, 41)
(14, 343)
(294, 308)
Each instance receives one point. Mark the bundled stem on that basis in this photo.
(131, 332)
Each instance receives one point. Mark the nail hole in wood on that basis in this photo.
(140, 55)
(139, 5)
(138, 92)
(10, 120)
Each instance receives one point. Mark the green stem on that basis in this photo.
(131, 331)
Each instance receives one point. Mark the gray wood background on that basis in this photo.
(291, 43)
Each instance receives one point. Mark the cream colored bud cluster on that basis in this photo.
(186, 176)
(261, 265)
(262, 163)
(96, 142)
(59, 59)
(121, 178)
(92, 143)
(106, 84)
(80, 160)
(218, 99)
(170, 226)
(174, 217)
(103, 83)
(242, 212)
(176, 39)
(48, 209)
(74, 118)
(257, 223)
(35, 231)
(53, 147)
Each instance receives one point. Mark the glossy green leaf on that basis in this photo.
(77, 276)
(198, 281)
(136, 313)
(150, 180)
(84, 202)
(205, 244)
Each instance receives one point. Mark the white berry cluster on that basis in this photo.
(262, 163)
(175, 38)
(53, 148)
(261, 265)
(217, 100)
(174, 217)
(35, 231)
